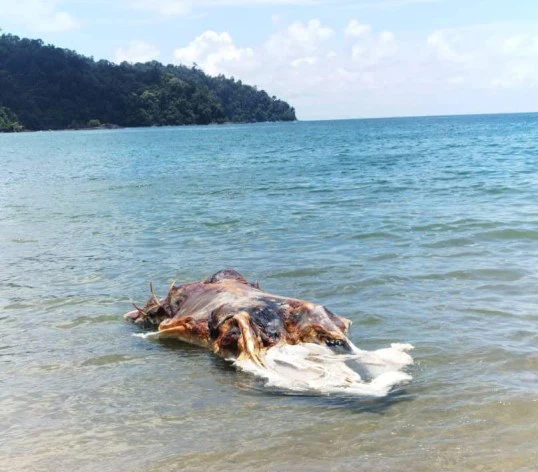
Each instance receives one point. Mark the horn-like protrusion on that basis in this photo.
(140, 310)
(154, 296)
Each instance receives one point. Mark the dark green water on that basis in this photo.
(422, 231)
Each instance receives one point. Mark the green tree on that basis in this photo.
(45, 87)
(9, 121)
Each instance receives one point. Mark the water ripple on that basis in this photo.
(419, 230)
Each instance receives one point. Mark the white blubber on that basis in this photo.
(316, 369)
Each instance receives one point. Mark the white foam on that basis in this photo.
(316, 369)
(148, 335)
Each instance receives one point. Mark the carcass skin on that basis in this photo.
(236, 319)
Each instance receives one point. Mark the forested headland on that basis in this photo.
(43, 87)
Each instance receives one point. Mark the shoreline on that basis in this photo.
(117, 127)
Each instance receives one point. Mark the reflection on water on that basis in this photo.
(419, 230)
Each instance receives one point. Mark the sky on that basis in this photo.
(329, 59)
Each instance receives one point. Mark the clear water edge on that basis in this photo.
(420, 230)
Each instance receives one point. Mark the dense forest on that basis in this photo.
(45, 87)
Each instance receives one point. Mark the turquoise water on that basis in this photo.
(420, 230)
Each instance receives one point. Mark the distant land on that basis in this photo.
(43, 87)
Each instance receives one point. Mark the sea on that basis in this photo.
(419, 230)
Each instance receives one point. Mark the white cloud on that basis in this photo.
(299, 62)
(516, 75)
(356, 29)
(136, 51)
(512, 44)
(371, 72)
(491, 56)
(164, 7)
(370, 48)
(311, 32)
(298, 40)
(520, 45)
(183, 7)
(213, 52)
(38, 15)
(456, 80)
(444, 44)
(386, 37)
(309, 61)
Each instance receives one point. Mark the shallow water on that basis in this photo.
(422, 231)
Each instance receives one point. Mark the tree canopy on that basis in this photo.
(45, 87)
(8, 120)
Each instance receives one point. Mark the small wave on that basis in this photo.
(385, 257)
(109, 359)
(83, 320)
(374, 282)
(376, 235)
(459, 224)
(507, 275)
(225, 223)
(299, 272)
(509, 234)
(23, 241)
(449, 243)
(492, 313)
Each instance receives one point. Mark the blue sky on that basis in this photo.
(330, 59)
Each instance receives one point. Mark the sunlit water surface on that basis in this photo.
(421, 231)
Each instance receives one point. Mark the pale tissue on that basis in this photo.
(316, 369)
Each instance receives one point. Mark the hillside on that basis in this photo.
(45, 87)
